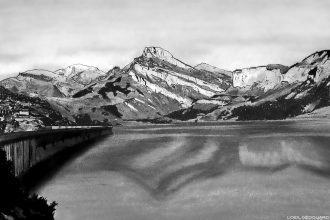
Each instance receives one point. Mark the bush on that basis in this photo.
(15, 202)
(280, 109)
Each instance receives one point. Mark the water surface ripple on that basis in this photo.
(251, 170)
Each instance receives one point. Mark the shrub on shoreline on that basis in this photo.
(15, 202)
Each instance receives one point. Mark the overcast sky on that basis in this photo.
(228, 34)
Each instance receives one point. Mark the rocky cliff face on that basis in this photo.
(119, 96)
(304, 88)
(263, 77)
(162, 73)
(157, 85)
(315, 67)
(153, 85)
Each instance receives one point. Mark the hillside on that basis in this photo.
(59, 83)
(303, 88)
(26, 113)
(151, 86)
(156, 86)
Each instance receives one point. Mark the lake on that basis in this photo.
(230, 170)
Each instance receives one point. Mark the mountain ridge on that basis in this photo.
(156, 86)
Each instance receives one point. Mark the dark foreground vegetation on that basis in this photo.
(15, 202)
(192, 112)
(160, 120)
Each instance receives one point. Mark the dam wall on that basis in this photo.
(26, 149)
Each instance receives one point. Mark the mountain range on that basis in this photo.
(158, 87)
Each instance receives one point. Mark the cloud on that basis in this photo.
(225, 33)
(7, 57)
(92, 48)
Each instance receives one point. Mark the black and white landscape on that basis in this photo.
(164, 109)
(157, 87)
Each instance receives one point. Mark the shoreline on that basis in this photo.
(296, 119)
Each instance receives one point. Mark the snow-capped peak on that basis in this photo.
(81, 73)
(76, 68)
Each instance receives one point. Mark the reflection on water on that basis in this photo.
(275, 153)
(200, 173)
(162, 166)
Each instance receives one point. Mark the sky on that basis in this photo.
(229, 34)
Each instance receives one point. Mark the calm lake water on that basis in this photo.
(250, 170)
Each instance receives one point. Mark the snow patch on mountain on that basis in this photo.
(139, 100)
(81, 73)
(131, 106)
(211, 101)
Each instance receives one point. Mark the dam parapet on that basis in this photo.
(26, 149)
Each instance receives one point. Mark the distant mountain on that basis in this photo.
(173, 77)
(316, 66)
(159, 87)
(61, 83)
(262, 78)
(151, 86)
(300, 89)
(82, 74)
(40, 110)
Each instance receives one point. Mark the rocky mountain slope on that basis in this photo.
(304, 98)
(213, 69)
(151, 86)
(315, 67)
(157, 86)
(60, 83)
(303, 88)
(262, 78)
(40, 112)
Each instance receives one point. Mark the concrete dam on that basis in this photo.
(27, 149)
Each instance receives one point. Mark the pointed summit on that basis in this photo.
(162, 54)
(158, 52)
